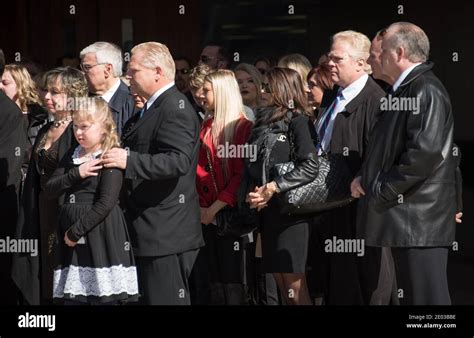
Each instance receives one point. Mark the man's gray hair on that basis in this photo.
(106, 52)
(412, 38)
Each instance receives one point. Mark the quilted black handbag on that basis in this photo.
(233, 221)
(329, 190)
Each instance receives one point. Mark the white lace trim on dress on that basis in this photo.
(100, 282)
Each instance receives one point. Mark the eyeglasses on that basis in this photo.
(86, 68)
(335, 59)
(265, 88)
(182, 71)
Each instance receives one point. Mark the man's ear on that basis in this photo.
(400, 53)
(158, 73)
(108, 70)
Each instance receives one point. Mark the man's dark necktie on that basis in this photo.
(327, 119)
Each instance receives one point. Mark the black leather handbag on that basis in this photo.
(233, 221)
(329, 190)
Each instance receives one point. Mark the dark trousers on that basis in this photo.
(377, 276)
(336, 273)
(422, 275)
(163, 280)
(218, 275)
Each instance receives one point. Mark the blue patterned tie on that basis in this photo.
(142, 111)
(327, 119)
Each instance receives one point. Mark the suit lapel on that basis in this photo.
(117, 101)
(151, 111)
(127, 128)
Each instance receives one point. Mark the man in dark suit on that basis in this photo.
(347, 115)
(13, 142)
(160, 158)
(101, 63)
(407, 182)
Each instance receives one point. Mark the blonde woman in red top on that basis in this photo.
(217, 272)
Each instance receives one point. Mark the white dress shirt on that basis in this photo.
(111, 92)
(160, 91)
(348, 94)
(403, 76)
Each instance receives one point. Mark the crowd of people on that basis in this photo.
(120, 176)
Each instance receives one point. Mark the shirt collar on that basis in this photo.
(77, 160)
(404, 75)
(160, 91)
(354, 88)
(110, 93)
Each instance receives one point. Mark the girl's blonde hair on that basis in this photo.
(26, 87)
(96, 110)
(228, 108)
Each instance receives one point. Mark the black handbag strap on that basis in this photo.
(291, 143)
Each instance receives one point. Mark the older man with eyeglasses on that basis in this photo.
(346, 116)
(101, 63)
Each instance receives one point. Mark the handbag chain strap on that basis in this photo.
(291, 143)
(211, 168)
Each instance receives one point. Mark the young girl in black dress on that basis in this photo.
(94, 260)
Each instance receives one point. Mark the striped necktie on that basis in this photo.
(327, 119)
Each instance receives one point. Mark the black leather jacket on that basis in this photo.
(304, 152)
(409, 172)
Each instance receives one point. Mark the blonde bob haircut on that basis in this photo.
(255, 75)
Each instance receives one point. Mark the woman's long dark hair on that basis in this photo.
(286, 87)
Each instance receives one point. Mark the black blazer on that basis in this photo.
(122, 106)
(13, 142)
(352, 126)
(159, 197)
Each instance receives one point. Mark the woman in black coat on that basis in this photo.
(38, 214)
(284, 237)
